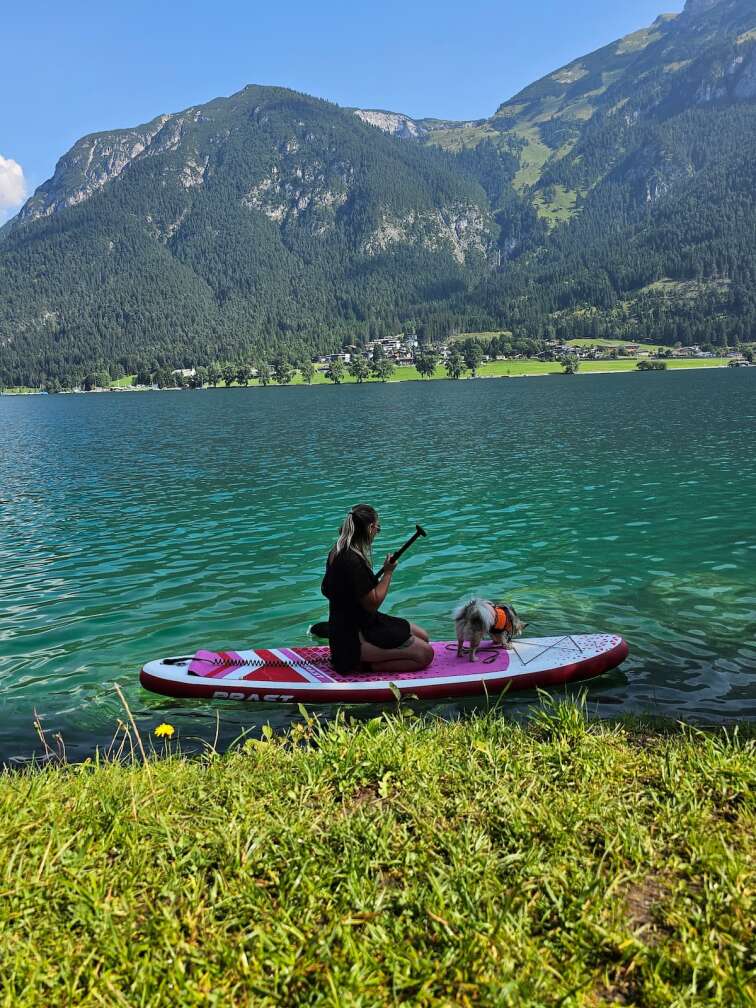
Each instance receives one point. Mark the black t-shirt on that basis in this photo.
(348, 579)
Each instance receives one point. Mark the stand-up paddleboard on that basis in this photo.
(305, 674)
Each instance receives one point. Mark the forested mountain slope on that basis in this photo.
(263, 222)
(632, 204)
(614, 197)
(651, 169)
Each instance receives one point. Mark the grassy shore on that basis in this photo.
(515, 369)
(492, 369)
(394, 861)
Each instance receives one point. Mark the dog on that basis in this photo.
(478, 619)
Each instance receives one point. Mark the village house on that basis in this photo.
(328, 358)
(687, 351)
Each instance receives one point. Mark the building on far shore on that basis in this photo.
(329, 358)
(687, 351)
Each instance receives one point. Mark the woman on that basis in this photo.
(362, 638)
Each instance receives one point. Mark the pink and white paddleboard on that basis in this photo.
(305, 674)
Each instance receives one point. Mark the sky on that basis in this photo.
(67, 69)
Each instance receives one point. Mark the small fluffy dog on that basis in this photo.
(478, 619)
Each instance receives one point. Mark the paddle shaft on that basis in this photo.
(403, 549)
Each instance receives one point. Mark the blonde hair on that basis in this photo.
(355, 532)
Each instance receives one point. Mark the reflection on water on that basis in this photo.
(135, 526)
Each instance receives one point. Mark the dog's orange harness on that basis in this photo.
(502, 622)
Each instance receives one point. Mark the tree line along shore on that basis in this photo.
(393, 860)
(400, 358)
(362, 371)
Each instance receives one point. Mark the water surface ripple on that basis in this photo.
(140, 525)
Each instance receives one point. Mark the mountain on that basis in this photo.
(613, 197)
(575, 123)
(264, 222)
(639, 161)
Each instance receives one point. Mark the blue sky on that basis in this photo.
(76, 67)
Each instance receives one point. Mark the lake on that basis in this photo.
(139, 525)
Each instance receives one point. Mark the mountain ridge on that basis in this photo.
(275, 222)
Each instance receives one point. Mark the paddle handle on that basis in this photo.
(403, 549)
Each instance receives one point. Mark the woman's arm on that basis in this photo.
(375, 598)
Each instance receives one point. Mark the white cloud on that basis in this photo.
(12, 185)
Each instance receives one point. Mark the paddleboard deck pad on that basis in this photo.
(305, 674)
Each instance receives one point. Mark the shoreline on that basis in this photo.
(369, 381)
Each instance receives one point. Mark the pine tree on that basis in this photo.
(282, 372)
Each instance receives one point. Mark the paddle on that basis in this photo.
(321, 629)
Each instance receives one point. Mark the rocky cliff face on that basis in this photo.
(463, 229)
(303, 180)
(392, 122)
(90, 164)
(96, 160)
(315, 190)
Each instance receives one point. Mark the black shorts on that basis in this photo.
(387, 632)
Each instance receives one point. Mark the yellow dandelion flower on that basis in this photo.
(165, 731)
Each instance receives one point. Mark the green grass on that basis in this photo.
(560, 209)
(524, 368)
(683, 363)
(502, 369)
(637, 41)
(532, 157)
(631, 364)
(126, 382)
(395, 861)
(684, 291)
(460, 137)
(570, 74)
(491, 369)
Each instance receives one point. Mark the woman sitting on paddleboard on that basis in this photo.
(362, 638)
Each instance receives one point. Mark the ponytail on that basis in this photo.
(354, 533)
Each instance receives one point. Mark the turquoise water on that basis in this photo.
(139, 525)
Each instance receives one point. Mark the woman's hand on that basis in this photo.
(390, 564)
(374, 599)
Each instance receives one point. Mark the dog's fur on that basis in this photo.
(475, 620)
